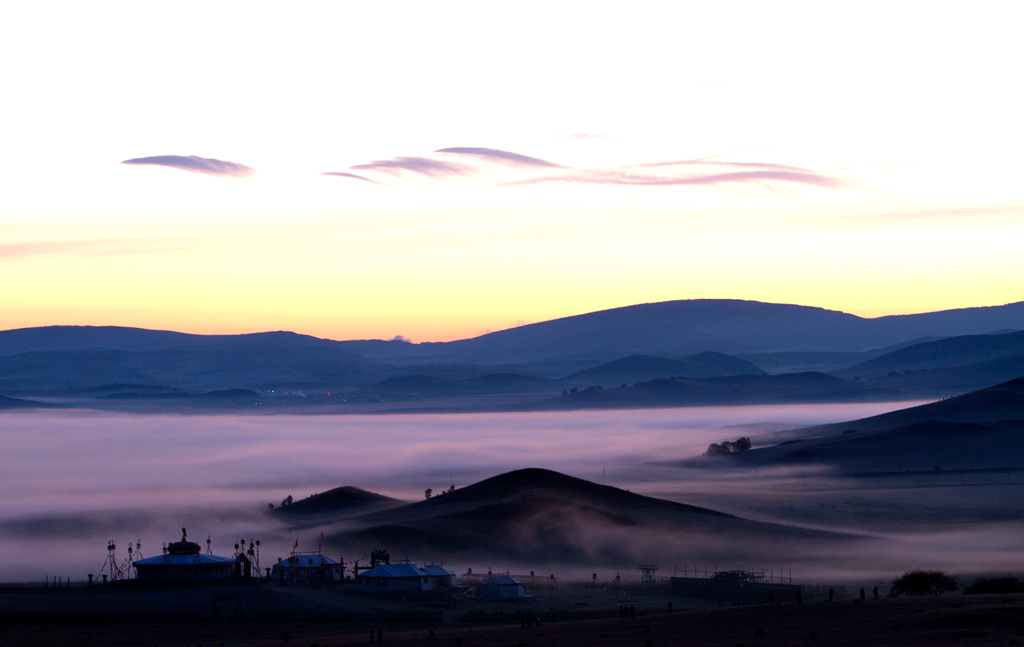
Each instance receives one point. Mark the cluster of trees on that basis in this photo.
(429, 492)
(286, 502)
(923, 582)
(741, 444)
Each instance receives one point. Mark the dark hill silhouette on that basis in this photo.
(337, 502)
(434, 386)
(211, 369)
(153, 401)
(728, 326)
(20, 403)
(542, 516)
(675, 327)
(736, 389)
(983, 430)
(535, 482)
(926, 446)
(506, 382)
(954, 351)
(940, 382)
(825, 361)
(63, 360)
(643, 368)
(1003, 401)
(52, 338)
(727, 363)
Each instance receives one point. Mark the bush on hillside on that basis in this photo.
(741, 444)
(922, 582)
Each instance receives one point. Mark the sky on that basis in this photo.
(440, 170)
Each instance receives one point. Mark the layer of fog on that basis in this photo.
(73, 480)
(86, 460)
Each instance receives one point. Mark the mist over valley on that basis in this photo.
(573, 445)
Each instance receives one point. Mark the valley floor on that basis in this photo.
(274, 615)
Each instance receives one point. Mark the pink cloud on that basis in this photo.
(425, 166)
(492, 167)
(194, 164)
(350, 175)
(631, 177)
(501, 157)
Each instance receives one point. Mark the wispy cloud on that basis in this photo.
(485, 166)
(491, 167)
(707, 161)
(353, 176)
(422, 166)
(194, 164)
(500, 156)
(639, 176)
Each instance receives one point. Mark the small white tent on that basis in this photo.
(502, 588)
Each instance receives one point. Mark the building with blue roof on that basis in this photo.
(182, 561)
(502, 587)
(396, 578)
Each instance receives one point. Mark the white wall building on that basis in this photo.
(395, 578)
(502, 587)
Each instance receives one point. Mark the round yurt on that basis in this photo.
(183, 562)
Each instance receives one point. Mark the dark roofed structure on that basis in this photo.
(183, 562)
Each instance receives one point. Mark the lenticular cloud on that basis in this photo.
(500, 156)
(194, 164)
(476, 167)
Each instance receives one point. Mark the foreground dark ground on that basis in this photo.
(274, 615)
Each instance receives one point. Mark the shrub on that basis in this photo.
(924, 583)
(741, 444)
(714, 449)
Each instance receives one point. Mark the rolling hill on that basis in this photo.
(336, 503)
(631, 345)
(644, 368)
(944, 353)
(541, 516)
(728, 326)
(735, 389)
(983, 430)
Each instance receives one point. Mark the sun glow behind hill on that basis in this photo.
(568, 176)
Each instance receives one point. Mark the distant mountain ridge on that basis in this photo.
(632, 345)
(726, 326)
(55, 338)
(723, 325)
(692, 326)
